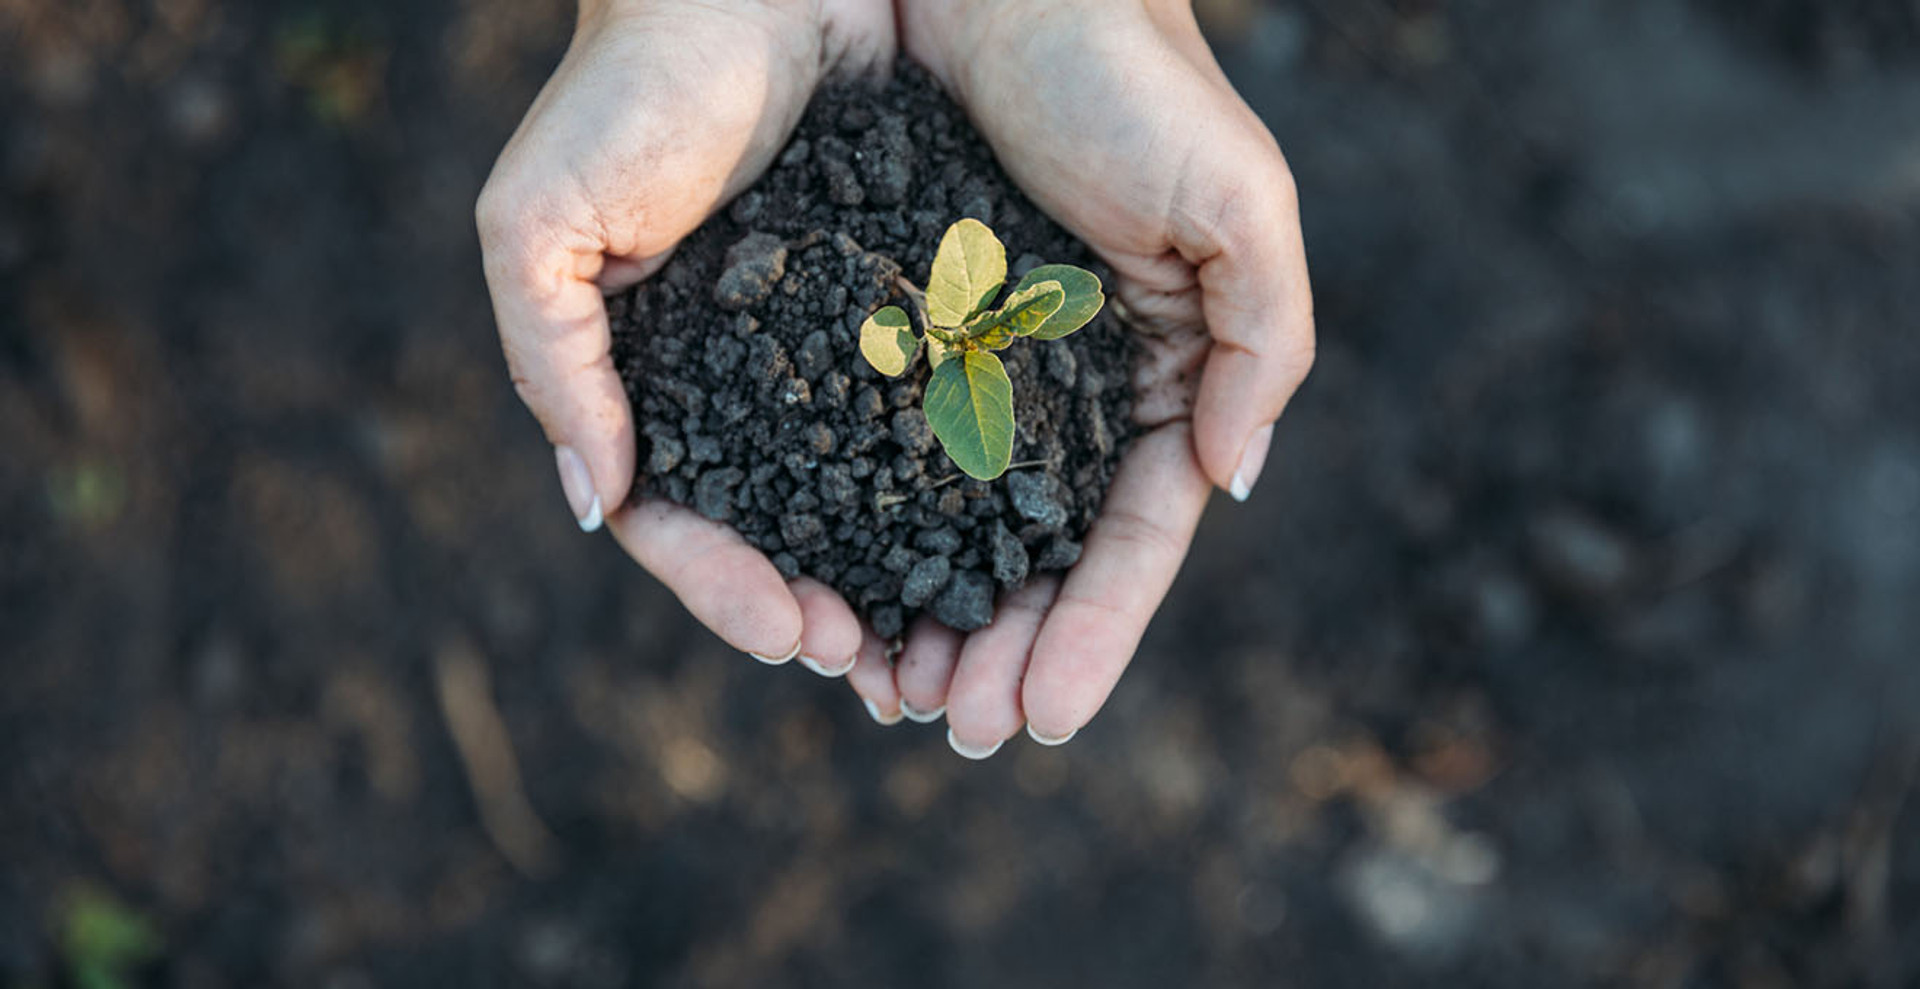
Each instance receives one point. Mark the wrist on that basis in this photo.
(591, 12)
(947, 36)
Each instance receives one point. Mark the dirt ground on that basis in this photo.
(1569, 641)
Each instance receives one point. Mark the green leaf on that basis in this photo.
(970, 267)
(887, 341)
(994, 336)
(1026, 310)
(1082, 303)
(969, 404)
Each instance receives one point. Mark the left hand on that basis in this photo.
(661, 111)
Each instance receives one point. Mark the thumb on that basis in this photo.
(553, 326)
(1258, 307)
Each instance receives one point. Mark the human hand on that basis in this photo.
(660, 112)
(1115, 119)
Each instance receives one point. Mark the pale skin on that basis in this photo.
(1110, 114)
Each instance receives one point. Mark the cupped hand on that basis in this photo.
(1113, 116)
(660, 111)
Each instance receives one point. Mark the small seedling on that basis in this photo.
(969, 398)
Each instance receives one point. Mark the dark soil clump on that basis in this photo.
(754, 407)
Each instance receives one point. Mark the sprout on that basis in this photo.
(969, 399)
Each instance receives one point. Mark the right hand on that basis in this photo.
(659, 113)
(1113, 116)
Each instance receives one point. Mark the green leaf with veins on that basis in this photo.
(1082, 301)
(1026, 310)
(968, 269)
(887, 341)
(969, 404)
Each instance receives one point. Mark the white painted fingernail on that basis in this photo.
(972, 753)
(777, 660)
(1044, 740)
(577, 483)
(921, 717)
(1251, 460)
(874, 710)
(821, 668)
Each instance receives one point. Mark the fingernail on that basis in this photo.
(1045, 740)
(972, 753)
(919, 717)
(1254, 458)
(577, 482)
(777, 660)
(821, 668)
(874, 710)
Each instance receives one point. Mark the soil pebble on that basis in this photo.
(713, 493)
(754, 267)
(926, 579)
(1009, 556)
(1033, 498)
(967, 603)
(753, 406)
(1059, 555)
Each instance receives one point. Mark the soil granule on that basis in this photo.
(754, 407)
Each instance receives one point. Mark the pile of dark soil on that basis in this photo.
(754, 407)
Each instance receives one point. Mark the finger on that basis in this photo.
(728, 585)
(553, 326)
(872, 679)
(1132, 553)
(925, 668)
(983, 702)
(829, 634)
(1243, 233)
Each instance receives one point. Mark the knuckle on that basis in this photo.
(534, 399)
(1139, 533)
(1286, 189)
(529, 392)
(1301, 350)
(510, 225)
(496, 213)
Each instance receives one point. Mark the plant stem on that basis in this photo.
(912, 292)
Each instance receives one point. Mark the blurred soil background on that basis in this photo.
(1570, 640)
